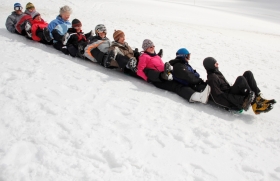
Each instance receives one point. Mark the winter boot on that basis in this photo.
(248, 100)
(260, 99)
(28, 29)
(81, 51)
(160, 53)
(201, 96)
(132, 64)
(261, 107)
(65, 38)
(111, 56)
(47, 35)
(166, 74)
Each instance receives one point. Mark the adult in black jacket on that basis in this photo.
(238, 96)
(186, 75)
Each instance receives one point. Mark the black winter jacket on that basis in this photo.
(220, 89)
(184, 73)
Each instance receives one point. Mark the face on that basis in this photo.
(78, 28)
(38, 18)
(31, 10)
(188, 57)
(121, 39)
(65, 16)
(151, 49)
(18, 10)
(216, 65)
(102, 34)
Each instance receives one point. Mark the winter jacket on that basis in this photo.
(58, 27)
(91, 52)
(15, 23)
(184, 73)
(75, 37)
(124, 48)
(35, 26)
(150, 61)
(220, 89)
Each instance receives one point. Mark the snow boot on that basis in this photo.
(47, 35)
(260, 99)
(166, 74)
(261, 107)
(132, 64)
(111, 56)
(201, 96)
(65, 38)
(28, 29)
(248, 100)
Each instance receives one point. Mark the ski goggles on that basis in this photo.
(18, 8)
(101, 30)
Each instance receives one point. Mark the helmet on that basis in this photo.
(100, 28)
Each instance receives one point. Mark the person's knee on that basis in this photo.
(248, 73)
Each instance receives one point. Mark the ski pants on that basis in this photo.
(244, 84)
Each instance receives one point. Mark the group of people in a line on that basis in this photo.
(177, 75)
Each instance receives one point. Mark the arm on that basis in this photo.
(10, 24)
(141, 66)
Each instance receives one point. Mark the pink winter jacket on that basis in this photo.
(147, 61)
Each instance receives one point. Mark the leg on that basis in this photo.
(98, 55)
(153, 75)
(122, 60)
(172, 86)
(251, 82)
(240, 87)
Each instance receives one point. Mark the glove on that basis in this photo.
(160, 53)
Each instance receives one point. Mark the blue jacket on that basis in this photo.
(60, 25)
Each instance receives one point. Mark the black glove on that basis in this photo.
(160, 53)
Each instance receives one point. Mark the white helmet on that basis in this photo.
(100, 28)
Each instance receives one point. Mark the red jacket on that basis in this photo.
(35, 25)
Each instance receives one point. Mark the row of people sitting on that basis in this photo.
(176, 76)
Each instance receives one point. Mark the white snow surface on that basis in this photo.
(63, 118)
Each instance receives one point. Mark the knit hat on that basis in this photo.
(17, 5)
(117, 34)
(29, 6)
(209, 63)
(76, 23)
(34, 14)
(147, 44)
(182, 52)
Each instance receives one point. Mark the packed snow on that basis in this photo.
(63, 118)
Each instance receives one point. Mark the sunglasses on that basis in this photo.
(18, 8)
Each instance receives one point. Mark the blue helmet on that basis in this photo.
(182, 52)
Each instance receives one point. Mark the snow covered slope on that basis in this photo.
(63, 118)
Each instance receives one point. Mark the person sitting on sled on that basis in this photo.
(243, 93)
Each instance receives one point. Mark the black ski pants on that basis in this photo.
(244, 84)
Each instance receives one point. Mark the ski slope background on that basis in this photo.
(63, 118)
